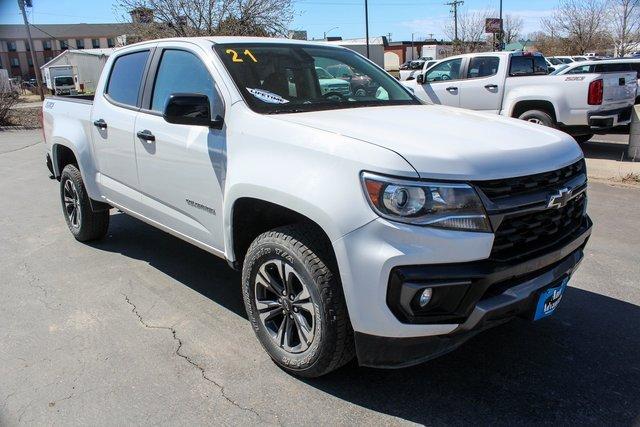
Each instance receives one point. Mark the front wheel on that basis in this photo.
(83, 222)
(294, 300)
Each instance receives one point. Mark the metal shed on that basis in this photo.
(88, 64)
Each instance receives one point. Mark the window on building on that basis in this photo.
(111, 42)
(80, 43)
(95, 43)
(15, 62)
(46, 44)
(27, 46)
(11, 46)
(126, 76)
(29, 61)
(64, 45)
(174, 65)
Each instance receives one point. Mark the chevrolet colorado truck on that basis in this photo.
(516, 84)
(357, 234)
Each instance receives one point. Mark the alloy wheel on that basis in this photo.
(285, 306)
(72, 203)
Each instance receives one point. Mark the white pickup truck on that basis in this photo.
(357, 234)
(516, 84)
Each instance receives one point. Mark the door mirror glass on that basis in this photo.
(190, 109)
(420, 79)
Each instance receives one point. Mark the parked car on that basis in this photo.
(361, 85)
(357, 233)
(515, 84)
(331, 85)
(420, 66)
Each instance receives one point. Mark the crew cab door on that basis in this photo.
(181, 168)
(483, 86)
(441, 83)
(113, 117)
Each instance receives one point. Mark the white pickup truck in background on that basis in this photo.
(357, 233)
(516, 84)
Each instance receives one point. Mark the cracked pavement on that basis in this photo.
(142, 328)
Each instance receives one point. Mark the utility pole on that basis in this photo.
(501, 37)
(32, 48)
(366, 23)
(412, 46)
(454, 8)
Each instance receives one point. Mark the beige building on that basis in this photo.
(52, 39)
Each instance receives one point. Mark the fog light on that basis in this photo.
(425, 297)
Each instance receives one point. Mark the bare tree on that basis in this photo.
(512, 28)
(471, 30)
(186, 18)
(625, 24)
(581, 22)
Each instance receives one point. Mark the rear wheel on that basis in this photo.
(537, 117)
(83, 222)
(294, 300)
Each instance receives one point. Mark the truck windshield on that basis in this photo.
(290, 78)
(64, 81)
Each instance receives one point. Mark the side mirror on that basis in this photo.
(190, 109)
(420, 79)
(550, 70)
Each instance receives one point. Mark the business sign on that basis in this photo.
(492, 25)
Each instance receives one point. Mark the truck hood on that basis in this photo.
(450, 143)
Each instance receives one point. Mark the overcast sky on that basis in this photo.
(401, 18)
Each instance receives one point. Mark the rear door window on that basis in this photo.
(483, 66)
(532, 65)
(126, 77)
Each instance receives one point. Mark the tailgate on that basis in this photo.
(619, 89)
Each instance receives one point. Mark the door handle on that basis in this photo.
(146, 135)
(490, 87)
(452, 88)
(100, 124)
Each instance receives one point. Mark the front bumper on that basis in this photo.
(500, 292)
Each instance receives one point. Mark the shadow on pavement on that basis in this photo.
(604, 150)
(582, 366)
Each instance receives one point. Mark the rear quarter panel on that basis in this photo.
(567, 93)
(67, 123)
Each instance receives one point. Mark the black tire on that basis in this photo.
(307, 253)
(89, 225)
(538, 117)
(581, 139)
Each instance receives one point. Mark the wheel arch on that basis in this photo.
(523, 106)
(250, 216)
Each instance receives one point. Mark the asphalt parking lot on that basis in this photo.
(142, 328)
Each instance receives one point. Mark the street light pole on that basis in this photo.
(329, 30)
(34, 58)
(366, 23)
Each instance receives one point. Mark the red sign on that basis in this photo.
(492, 25)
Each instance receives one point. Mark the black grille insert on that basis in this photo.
(501, 188)
(520, 236)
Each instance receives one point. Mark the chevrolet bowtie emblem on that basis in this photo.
(559, 199)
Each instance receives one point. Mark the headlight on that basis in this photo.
(443, 205)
